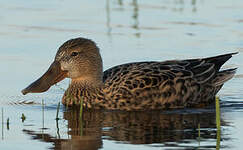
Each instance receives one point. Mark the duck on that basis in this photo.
(147, 85)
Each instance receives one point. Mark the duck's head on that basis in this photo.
(78, 59)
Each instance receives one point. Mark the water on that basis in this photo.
(125, 31)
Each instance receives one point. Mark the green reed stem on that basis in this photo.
(81, 116)
(81, 108)
(218, 139)
(58, 107)
(23, 117)
(57, 125)
(8, 123)
(199, 133)
(57, 118)
(217, 106)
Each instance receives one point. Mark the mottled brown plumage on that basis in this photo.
(134, 86)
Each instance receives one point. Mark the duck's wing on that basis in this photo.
(174, 84)
(202, 69)
(123, 69)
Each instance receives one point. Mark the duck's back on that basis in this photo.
(163, 85)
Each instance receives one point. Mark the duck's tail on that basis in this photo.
(218, 61)
(223, 76)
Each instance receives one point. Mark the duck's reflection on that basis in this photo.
(130, 127)
(75, 143)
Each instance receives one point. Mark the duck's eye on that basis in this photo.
(74, 54)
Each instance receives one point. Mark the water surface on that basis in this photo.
(125, 31)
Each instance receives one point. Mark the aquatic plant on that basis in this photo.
(218, 125)
(58, 107)
(23, 117)
(217, 107)
(8, 123)
(81, 116)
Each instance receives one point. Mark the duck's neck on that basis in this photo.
(87, 82)
(86, 90)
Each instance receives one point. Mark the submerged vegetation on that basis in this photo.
(128, 31)
(86, 120)
(58, 107)
(23, 117)
(218, 124)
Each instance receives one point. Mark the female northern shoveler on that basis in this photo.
(132, 86)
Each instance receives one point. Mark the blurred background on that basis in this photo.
(126, 31)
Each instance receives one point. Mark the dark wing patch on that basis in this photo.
(202, 71)
(218, 61)
(206, 75)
